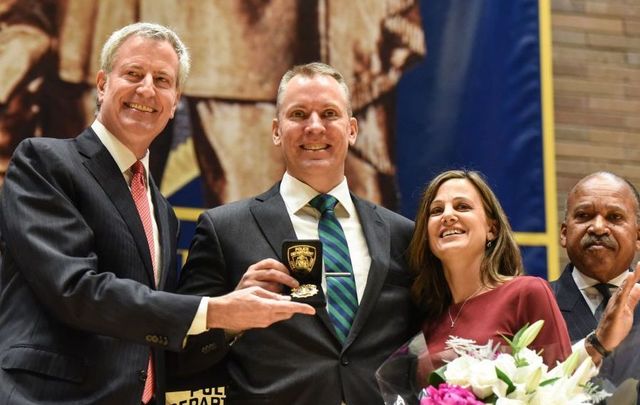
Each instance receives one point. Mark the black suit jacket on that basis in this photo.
(301, 361)
(80, 314)
(575, 310)
(624, 362)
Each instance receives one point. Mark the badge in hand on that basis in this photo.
(303, 258)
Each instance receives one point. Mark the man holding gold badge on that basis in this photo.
(329, 358)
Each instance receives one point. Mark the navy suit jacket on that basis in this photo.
(624, 362)
(575, 310)
(301, 361)
(80, 312)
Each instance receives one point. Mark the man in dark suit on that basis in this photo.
(601, 232)
(90, 247)
(308, 360)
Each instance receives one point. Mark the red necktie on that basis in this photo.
(139, 193)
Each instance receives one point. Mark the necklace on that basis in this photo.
(454, 320)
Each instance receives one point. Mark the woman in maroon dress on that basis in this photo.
(468, 271)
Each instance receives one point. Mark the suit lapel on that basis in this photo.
(271, 216)
(164, 232)
(106, 172)
(578, 315)
(376, 233)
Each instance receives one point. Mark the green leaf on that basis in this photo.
(522, 339)
(503, 377)
(437, 377)
(491, 399)
(516, 337)
(549, 381)
(514, 342)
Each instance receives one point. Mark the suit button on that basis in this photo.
(344, 361)
(208, 348)
(142, 375)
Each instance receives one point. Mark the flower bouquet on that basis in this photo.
(486, 374)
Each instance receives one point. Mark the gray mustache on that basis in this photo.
(591, 240)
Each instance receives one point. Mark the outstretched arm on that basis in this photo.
(252, 307)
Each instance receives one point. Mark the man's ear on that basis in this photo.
(563, 235)
(275, 132)
(101, 84)
(175, 105)
(353, 134)
(638, 237)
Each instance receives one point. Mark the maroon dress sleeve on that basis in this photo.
(538, 302)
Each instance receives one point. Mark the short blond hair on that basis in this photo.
(310, 70)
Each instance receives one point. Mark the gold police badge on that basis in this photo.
(301, 258)
(304, 291)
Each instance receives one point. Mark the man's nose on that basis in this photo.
(599, 226)
(146, 86)
(314, 123)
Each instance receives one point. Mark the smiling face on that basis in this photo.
(457, 225)
(139, 96)
(314, 130)
(600, 231)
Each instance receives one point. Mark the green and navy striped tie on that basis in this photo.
(341, 286)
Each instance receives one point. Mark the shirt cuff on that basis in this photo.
(199, 324)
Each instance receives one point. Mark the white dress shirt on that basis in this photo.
(589, 292)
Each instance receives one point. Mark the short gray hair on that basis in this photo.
(152, 31)
(310, 70)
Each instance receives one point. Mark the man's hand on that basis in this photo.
(252, 307)
(269, 274)
(617, 319)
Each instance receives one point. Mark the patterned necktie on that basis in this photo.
(341, 286)
(604, 290)
(139, 193)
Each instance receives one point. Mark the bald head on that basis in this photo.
(600, 229)
(605, 177)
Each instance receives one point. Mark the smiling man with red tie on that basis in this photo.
(90, 252)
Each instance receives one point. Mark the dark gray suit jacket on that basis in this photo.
(79, 313)
(575, 310)
(624, 362)
(301, 361)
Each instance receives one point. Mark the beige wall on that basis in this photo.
(596, 68)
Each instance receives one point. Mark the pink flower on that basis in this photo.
(447, 394)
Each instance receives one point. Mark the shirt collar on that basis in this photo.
(121, 154)
(583, 281)
(297, 194)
